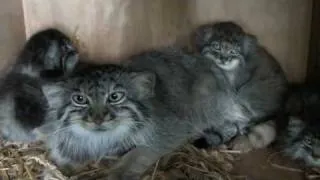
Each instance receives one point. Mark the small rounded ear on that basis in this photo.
(201, 36)
(249, 44)
(144, 84)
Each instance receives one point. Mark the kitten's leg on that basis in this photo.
(208, 139)
(213, 138)
(132, 165)
(258, 136)
(64, 164)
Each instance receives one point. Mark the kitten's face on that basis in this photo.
(312, 142)
(105, 100)
(226, 55)
(224, 43)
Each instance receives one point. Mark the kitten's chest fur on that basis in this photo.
(80, 147)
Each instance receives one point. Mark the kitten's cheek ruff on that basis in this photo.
(230, 65)
(212, 57)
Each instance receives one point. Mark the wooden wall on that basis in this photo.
(12, 31)
(111, 30)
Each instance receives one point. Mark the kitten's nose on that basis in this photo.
(98, 121)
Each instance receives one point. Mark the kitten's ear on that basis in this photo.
(202, 36)
(249, 44)
(144, 83)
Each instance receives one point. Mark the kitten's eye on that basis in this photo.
(216, 45)
(116, 97)
(308, 140)
(233, 52)
(79, 99)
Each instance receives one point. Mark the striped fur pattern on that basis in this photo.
(227, 45)
(301, 140)
(255, 76)
(98, 112)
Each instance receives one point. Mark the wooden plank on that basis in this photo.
(313, 73)
(111, 30)
(12, 31)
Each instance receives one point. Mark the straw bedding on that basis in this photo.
(30, 162)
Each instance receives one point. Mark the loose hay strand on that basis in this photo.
(30, 161)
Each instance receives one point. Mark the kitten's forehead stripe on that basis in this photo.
(97, 83)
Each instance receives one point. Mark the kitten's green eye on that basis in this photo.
(79, 99)
(116, 97)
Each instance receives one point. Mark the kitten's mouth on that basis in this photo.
(99, 129)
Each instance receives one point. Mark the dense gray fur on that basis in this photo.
(89, 131)
(198, 93)
(155, 118)
(301, 140)
(227, 45)
(172, 97)
(257, 79)
(48, 54)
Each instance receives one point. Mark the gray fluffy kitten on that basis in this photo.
(156, 104)
(99, 111)
(257, 79)
(301, 139)
(197, 98)
(47, 55)
(141, 108)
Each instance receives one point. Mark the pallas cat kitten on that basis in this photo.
(137, 108)
(301, 139)
(48, 54)
(100, 111)
(255, 76)
(181, 86)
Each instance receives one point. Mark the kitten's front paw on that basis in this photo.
(241, 143)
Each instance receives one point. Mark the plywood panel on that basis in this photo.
(283, 26)
(111, 30)
(12, 32)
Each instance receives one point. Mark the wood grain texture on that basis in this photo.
(313, 70)
(114, 29)
(12, 32)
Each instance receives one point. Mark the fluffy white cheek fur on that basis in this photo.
(227, 66)
(115, 130)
